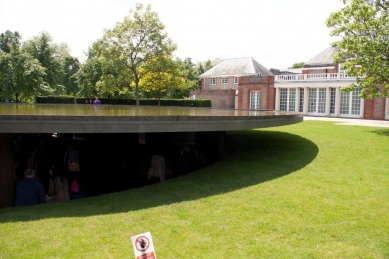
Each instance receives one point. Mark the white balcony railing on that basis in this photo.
(313, 77)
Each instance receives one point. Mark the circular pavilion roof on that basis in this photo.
(50, 118)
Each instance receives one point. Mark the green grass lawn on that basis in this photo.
(310, 190)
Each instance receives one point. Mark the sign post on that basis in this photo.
(143, 246)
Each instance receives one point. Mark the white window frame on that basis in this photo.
(317, 101)
(288, 99)
(224, 80)
(236, 80)
(212, 81)
(350, 105)
(256, 105)
(387, 109)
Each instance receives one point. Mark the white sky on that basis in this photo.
(276, 33)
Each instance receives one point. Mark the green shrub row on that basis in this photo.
(55, 99)
(164, 102)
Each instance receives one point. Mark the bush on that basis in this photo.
(152, 102)
(56, 99)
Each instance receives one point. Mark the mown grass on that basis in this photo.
(310, 190)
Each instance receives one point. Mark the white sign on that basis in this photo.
(143, 246)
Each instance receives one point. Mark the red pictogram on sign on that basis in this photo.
(142, 243)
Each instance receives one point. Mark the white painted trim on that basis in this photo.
(306, 100)
(312, 84)
(328, 101)
(278, 93)
(297, 101)
(317, 68)
(387, 109)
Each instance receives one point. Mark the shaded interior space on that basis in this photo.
(112, 162)
(114, 152)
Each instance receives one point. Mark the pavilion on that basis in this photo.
(58, 118)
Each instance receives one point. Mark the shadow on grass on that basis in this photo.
(262, 156)
(381, 132)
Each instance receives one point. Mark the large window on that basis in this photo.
(255, 100)
(355, 102)
(287, 99)
(333, 96)
(301, 108)
(212, 81)
(292, 99)
(344, 102)
(224, 80)
(317, 100)
(321, 108)
(312, 100)
(350, 103)
(283, 99)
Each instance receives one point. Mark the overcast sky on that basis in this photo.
(276, 33)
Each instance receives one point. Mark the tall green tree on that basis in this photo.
(363, 28)
(129, 45)
(7, 38)
(21, 75)
(159, 75)
(47, 53)
(189, 72)
(89, 74)
(70, 66)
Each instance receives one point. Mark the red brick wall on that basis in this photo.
(219, 98)
(375, 108)
(226, 98)
(264, 84)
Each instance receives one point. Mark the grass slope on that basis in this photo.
(310, 190)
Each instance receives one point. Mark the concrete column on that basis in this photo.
(297, 101)
(6, 171)
(277, 104)
(337, 102)
(328, 101)
(306, 101)
(362, 109)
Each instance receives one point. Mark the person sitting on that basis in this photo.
(97, 101)
(76, 186)
(157, 170)
(58, 186)
(29, 191)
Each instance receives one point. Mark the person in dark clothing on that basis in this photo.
(200, 159)
(191, 156)
(29, 191)
(76, 186)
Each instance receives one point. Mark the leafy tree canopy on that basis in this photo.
(127, 47)
(7, 38)
(160, 74)
(363, 28)
(45, 51)
(21, 75)
(297, 65)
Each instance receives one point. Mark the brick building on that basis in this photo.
(243, 83)
(240, 83)
(316, 91)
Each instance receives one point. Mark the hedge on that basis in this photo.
(164, 102)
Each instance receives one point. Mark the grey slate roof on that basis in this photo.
(291, 71)
(237, 67)
(323, 59)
